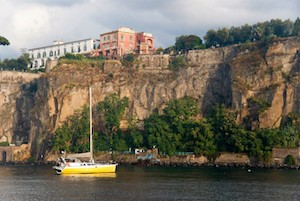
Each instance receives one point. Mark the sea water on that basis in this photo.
(29, 182)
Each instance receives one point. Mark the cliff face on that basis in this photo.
(259, 81)
(16, 100)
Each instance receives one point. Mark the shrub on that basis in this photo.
(178, 63)
(4, 144)
(290, 160)
(73, 56)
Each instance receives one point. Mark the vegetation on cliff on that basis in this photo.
(236, 35)
(179, 128)
(73, 135)
(20, 64)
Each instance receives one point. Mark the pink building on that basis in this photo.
(124, 40)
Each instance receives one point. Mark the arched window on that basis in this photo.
(84, 47)
(38, 55)
(79, 49)
(51, 53)
(44, 54)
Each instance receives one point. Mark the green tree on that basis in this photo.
(265, 140)
(134, 136)
(289, 136)
(185, 43)
(73, 135)
(177, 63)
(290, 160)
(19, 64)
(181, 109)
(169, 50)
(62, 138)
(159, 50)
(178, 111)
(226, 129)
(281, 28)
(198, 138)
(167, 131)
(160, 134)
(296, 28)
(210, 38)
(3, 41)
(222, 37)
(80, 124)
(112, 110)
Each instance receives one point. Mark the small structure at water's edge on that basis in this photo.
(148, 157)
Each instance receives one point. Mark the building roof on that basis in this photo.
(121, 29)
(62, 44)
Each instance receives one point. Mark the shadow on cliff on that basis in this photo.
(28, 119)
(218, 89)
(25, 102)
(295, 72)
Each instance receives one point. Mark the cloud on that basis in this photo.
(35, 23)
(63, 3)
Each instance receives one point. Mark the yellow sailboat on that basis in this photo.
(72, 163)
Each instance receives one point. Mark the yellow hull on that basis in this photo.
(85, 168)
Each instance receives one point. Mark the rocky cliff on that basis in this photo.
(260, 81)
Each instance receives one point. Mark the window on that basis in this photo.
(108, 38)
(104, 38)
(58, 52)
(51, 53)
(54, 53)
(44, 54)
(65, 50)
(79, 49)
(72, 50)
(115, 36)
(38, 55)
(130, 38)
(122, 37)
(84, 47)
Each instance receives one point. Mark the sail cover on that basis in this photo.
(79, 155)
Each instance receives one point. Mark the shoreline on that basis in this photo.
(150, 164)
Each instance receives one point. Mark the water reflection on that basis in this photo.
(150, 183)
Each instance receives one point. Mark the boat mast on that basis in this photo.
(91, 126)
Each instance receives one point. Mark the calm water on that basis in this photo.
(150, 183)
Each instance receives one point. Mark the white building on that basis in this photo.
(40, 55)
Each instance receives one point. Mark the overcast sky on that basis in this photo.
(36, 23)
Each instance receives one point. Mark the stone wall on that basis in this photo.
(14, 153)
(112, 66)
(154, 62)
(232, 158)
(50, 64)
(279, 154)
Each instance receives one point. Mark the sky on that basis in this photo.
(36, 23)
